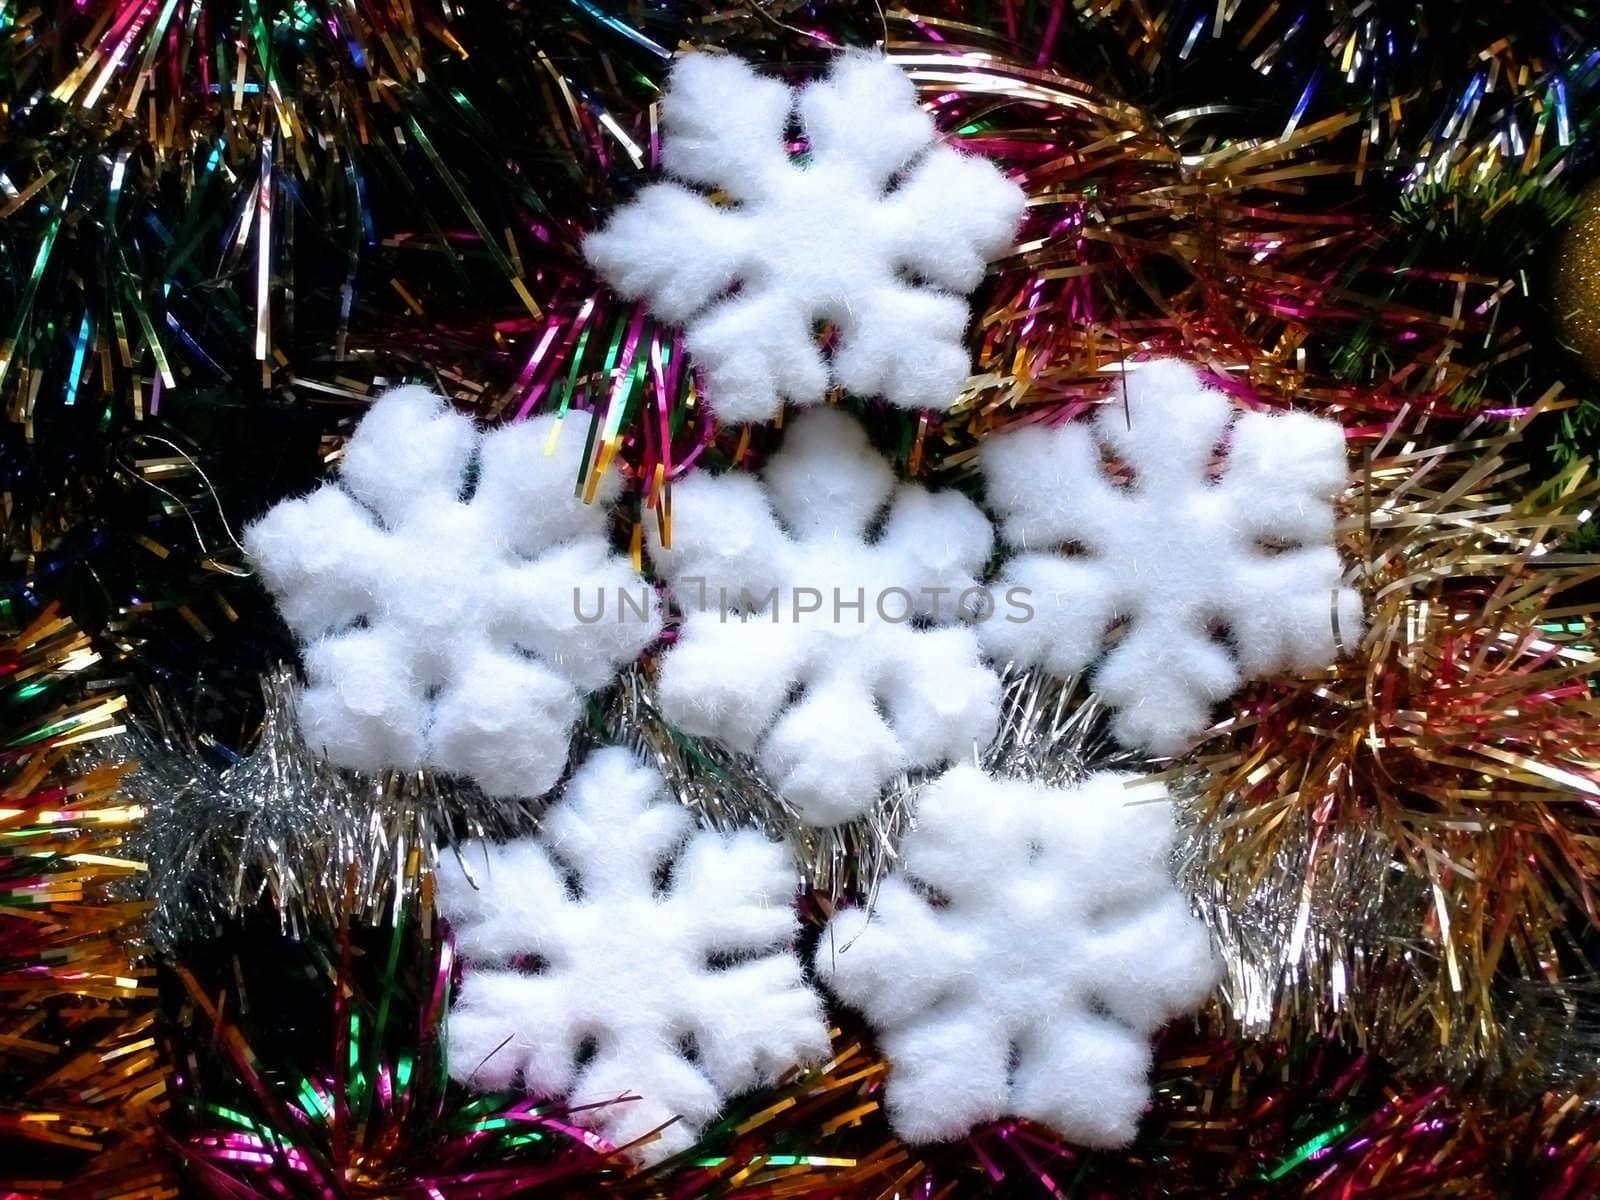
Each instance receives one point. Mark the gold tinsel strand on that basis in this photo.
(1576, 282)
(1396, 848)
(84, 1084)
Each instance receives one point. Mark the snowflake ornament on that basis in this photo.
(1216, 581)
(835, 657)
(623, 959)
(1022, 957)
(837, 239)
(441, 629)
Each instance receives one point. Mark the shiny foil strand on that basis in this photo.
(429, 172)
(1150, 234)
(317, 1070)
(1049, 729)
(1355, 242)
(1228, 1117)
(281, 831)
(1399, 848)
(84, 1084)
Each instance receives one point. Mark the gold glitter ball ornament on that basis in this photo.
(1577, 281)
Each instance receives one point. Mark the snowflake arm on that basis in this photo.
(361, 703)
(828, 240)
(903, 344)
(828, 482)
(830, 753)
(1163, 679)
(1020, 961)
(584, 629)
(317, 554)
(893, 979)
(938, 540)
(737, 891)
(758, 1022)
(505, 725)
(724, 127)
(706, 699)
(1284, 472)
(936, 693)
(611, 795)
(410, 449)
(526, 473)
(951, 217)
(1047, 488)
(439, 616)
(674, 248)
(645, 1086)
(949, 1074)
(1083, 1047)
(510, 1023)
(1217, 580)
(757, 350)
(1166, 430)
(627, 961)
(1303, 618)
(1069, 606)
(1146, 994)
(865, 84)
(510, 1030)
(725, 541)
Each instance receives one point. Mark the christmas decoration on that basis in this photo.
(282, 829)
(83, 1088)
(1216, 581)
(625, 961)
(357, 1102)
(1031, 944)
(226, 228)
(832, 240)
(783, 589)
(448, 630)
(1577, 281)
(1406, 839)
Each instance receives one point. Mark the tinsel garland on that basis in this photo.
(224, 225)
(227, 225)
(315, 1070)
(280, 829)
(81, 1084)
(1398, 847)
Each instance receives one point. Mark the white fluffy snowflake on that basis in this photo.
(1216, 580)
(1019, 961)
(837, 657)
(624, 960)
(441, 629)
(838, 238)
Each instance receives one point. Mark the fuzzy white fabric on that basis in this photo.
(589, 978)
(439, 631)
(1217, 581)
(836, 238)
(1019, 961)
(796, 643)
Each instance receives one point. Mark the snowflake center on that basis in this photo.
(1179, 568)
(819, 239)
(606, 933)
(839, 590)
(443, 596)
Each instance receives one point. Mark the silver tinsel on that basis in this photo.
(1050, 729)
(282, 830)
